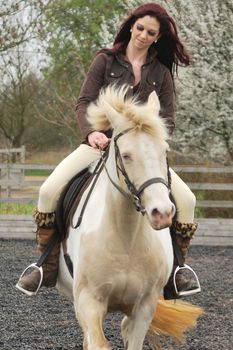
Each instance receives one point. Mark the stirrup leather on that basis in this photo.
(28, 292)
(187, 292)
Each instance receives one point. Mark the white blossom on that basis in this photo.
(204, 117)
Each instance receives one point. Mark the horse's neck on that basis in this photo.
(126, 222)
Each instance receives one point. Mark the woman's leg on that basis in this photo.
(51, 189)
(45, 216)
(184, 198)
(185, 229)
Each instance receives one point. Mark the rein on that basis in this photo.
(133, 192)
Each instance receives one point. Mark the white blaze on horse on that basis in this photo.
(122, 258)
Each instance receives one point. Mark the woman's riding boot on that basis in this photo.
(184, 234)
(45, 231)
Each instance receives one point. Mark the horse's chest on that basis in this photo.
(119, 275)
(123, 279)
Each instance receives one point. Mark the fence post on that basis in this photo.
(22, 158)
(12, 156)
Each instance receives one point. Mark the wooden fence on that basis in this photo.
(23, 182)
(213, 231)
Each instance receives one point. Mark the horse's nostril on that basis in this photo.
(155, 212)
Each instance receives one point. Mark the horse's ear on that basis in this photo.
(153, 101)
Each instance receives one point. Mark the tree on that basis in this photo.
(204, 117)
(74, 36)
(16, 99)
(204, 90)
(20, 22)
(74, 28)
(57, 110)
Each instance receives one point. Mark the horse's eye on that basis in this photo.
(126, 156)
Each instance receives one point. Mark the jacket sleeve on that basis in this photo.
(167, 101)
(90, 91)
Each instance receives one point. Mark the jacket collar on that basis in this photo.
(152, 53)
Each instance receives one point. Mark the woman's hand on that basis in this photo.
(98, 139)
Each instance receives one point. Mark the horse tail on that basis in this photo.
(174, 317)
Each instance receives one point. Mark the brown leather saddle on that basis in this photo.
(69, 201)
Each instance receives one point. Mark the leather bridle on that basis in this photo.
(133, 193)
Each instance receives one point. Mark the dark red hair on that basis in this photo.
(170, 50)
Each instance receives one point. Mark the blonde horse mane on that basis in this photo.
(114, 108)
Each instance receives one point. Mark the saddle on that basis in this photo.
(69, 201)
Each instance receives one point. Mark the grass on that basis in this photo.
(37, 172)
(17, 208)
(199, 212)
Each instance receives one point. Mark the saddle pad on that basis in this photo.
(69, 200)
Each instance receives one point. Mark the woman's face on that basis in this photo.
(144, 32)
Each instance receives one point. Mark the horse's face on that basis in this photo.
(144, 158)
(143, 151)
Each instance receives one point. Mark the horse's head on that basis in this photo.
(140, 148)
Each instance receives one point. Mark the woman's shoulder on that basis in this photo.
(101, 62)
(105, 52)
(104, 56)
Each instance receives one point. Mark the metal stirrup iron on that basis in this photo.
(186, 292)
(181, 267)
(28, 292)
(38, 266)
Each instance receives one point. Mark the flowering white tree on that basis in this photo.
(205, 100)
(204, 117)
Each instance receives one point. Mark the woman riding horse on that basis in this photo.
(145, 54)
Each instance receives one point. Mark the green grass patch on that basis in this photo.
(35, 172)
(17, 208)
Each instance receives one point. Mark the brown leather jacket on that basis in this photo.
(109, 68)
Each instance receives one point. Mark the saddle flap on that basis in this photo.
(70, 199)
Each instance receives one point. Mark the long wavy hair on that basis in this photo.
(170, 50)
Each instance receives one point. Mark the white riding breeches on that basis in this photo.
(83, 156)
(75, 162)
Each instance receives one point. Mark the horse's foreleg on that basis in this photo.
(135, 327)
(90, 314)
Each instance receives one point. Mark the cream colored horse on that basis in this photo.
(122, 259)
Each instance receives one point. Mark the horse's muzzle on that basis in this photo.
(159, 220)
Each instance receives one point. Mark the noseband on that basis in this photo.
(133, 191)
